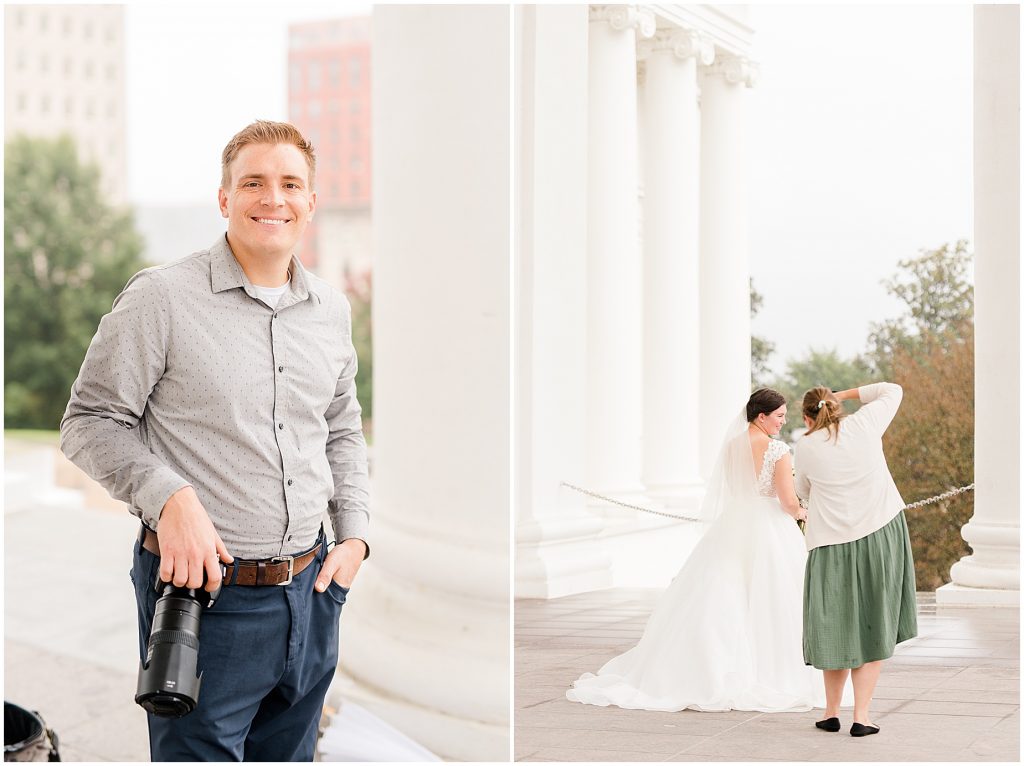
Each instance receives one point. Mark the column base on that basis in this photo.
(953, 595)
(557, 557)
(451, 738)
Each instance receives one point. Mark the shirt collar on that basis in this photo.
(226, 273)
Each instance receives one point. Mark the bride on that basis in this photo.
(726, 634)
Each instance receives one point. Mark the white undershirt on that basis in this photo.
(271, 295)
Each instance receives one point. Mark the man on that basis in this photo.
(218, 400)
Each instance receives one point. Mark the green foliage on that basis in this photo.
(67, 254)
(930, 447)
(360, 293)
(929, 350)
(939, 299)
(818, 368)
(761, 349)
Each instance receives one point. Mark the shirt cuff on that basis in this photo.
(351, 524)
(154, 494)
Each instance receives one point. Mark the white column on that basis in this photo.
(424, 639)
(613, 267)
(724, 263)
(992, 574)
(555, 552)
(671, 347)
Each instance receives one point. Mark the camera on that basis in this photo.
(168, 684)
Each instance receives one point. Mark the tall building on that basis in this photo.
(64, 68)
(329, 101)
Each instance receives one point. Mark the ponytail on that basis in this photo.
(822, 407)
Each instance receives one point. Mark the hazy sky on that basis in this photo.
(860, 139)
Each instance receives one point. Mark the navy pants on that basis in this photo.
(267, 655)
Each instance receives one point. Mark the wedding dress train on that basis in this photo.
(726, 634)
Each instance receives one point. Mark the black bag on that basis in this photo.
(26, 737)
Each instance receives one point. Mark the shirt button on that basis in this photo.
(281, 426)
(280, 369)
(289, 482)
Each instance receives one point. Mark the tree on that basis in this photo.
(930, 448)
(360, 293)
(929, 350)
(67, 255)
(760, 348)
(939, 299)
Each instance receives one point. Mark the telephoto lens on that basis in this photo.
(168, 682)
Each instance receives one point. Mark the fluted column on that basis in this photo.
(724, 263)
(613, 258)
(424, 637)
(671, 315)
(991, 575)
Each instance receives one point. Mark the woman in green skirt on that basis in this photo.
(859, 594)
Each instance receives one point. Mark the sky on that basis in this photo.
(859, 130)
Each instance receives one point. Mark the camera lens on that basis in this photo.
(168, 684)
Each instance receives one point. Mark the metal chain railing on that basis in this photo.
(613, 501)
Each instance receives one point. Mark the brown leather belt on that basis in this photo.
(276, 571)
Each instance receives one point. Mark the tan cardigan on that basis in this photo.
(846, 481)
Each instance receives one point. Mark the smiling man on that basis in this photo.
(217, 399)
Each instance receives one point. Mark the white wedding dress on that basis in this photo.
(727, 633)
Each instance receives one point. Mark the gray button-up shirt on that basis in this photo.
(191, 379)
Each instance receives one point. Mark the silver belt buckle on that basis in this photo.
(291, 567)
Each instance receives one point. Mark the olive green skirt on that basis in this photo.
(859, 599)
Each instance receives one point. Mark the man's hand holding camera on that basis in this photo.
(189, 543)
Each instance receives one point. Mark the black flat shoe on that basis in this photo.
(829, 724)
(860, 730)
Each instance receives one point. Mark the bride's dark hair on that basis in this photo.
(764, 400)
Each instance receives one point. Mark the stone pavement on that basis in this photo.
(70, 646)
(951, 694)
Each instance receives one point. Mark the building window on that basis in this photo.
(355, 164)
(111, 72)
(20, 60)
(87, 29)
(22, 102)
(356, 133)
(19, 17)
(314, 75)
(44, 22)
(44, 104)
(354, 188)
(295, 76)
(44, 62)
(334, 72)
(68, 67)
(332, 106)
(90, 110)
(111, 110)
(88, 69)
(355, 71)
(354, 107)
(335, 190)
(110, 32)
(314, 108)
(69, 106)
(295, 111)
(67, 26)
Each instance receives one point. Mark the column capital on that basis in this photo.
(622, 17)
(681, 43)
(736, 69)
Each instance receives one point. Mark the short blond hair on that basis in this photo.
(266, 132)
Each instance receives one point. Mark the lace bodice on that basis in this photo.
(766, 479)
